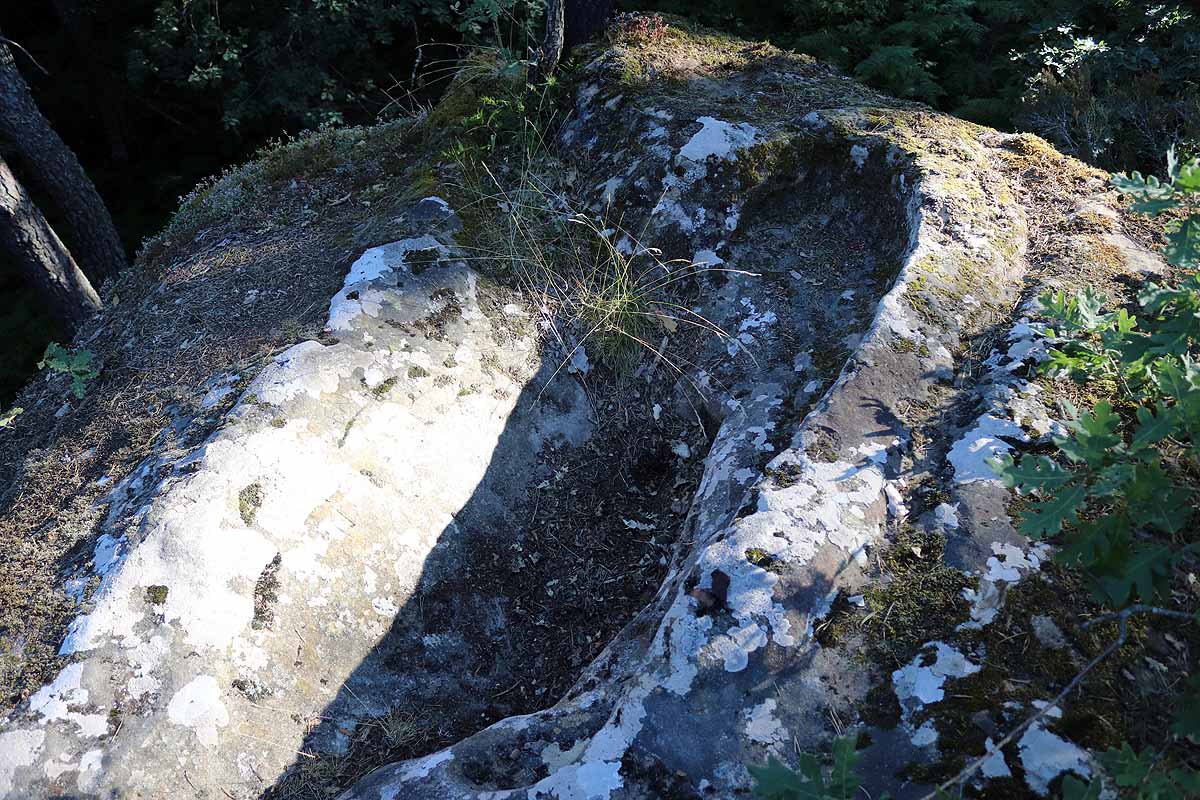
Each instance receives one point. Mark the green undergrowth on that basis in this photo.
(1118, 493)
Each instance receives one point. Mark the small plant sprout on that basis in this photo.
(77, 364)
(7, 417)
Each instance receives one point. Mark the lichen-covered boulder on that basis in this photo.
(352, 567)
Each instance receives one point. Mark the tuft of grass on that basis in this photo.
(601, 286)
(595, 281)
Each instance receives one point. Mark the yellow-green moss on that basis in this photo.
(250, 499)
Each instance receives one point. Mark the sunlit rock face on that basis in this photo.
(242, 586)
(332, 557)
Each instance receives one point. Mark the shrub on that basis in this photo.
(1118, 493)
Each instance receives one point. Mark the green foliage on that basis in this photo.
(1120, 491)
(306, 63)
(76, 364)
(516, 112)
(1181, 191)
(1143, 776)
(1110, 81)
(1075, 789)
(774, 781)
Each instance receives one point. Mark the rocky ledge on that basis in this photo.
(449, 534)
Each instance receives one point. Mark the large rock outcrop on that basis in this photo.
(356, 546)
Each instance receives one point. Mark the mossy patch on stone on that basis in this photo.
(250, 499)
(383, 387)
(918, 598)
(156, 595)
(266, 593)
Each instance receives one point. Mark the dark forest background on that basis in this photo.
(155, 95)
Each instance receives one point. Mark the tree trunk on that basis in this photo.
(52, 168)
(570, 23)
(40, 256)
(552, 42)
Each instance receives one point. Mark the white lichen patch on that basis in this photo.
(357, 296)
(1007, 565)
(718, 138)
(995, 766)
(17, 749)
(1045, 755)
(920, 684)
(945, 516)
(984, 441)
(763, 726)
(198, 706)
(56, 700)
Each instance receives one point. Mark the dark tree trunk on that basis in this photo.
(552, 42)
(51, 167)
(570, 23)
(40, 256)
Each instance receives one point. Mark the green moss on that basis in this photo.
(415, 372)
(823, 448)
(918, 600)
(382, 388)
(250, 499)
(902, 345)
(278, 422)
(785, 475)
(156, 595)
(762, 559)
(782, 156)
(489, 363)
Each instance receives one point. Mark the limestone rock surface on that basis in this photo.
(315, 564)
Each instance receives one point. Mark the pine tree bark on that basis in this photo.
(570, 23)
(552, 41)
(51, 167)
(40, 256)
